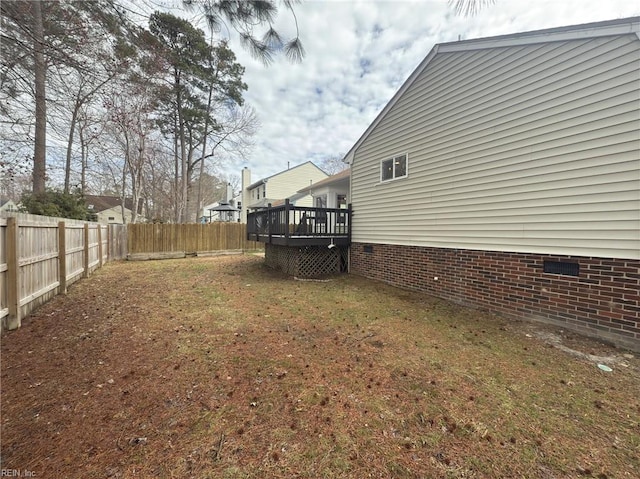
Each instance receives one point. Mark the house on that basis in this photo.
(309, 240)
(220, 211)
(278, 187)
(108, 209)
(332, 192)
(223, 210)
(505, 174)
(8, 205)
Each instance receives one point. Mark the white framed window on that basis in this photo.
(393, 168)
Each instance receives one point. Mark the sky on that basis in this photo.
(358, 54)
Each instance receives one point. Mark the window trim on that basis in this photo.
(392, 159)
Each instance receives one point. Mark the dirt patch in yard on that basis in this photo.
(221, 368)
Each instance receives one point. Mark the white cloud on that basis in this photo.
(358, 53)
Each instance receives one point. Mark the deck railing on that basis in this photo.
(300, 225)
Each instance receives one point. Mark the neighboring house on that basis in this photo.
(332, 192)
(505, 174)
(108, 209)
(278, 187)
(298, 199)
(8, 205)
(220, 211)
(310, 240)
(223, 210)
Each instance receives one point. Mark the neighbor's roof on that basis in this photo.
(264, 180)
(623, 26)
(263, 203)
(102, 202)
(344, 174)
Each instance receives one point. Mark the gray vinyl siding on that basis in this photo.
(531, 148)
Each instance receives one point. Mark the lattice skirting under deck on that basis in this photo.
(307, 261)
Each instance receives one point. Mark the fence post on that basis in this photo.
(109, 243)
(13, 321)
(99, 245)
(62, 257)
(86, 250)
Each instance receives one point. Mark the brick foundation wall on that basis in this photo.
(602, 301)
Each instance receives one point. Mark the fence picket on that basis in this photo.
(188, 238)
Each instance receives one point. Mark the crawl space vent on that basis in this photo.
(562, 267)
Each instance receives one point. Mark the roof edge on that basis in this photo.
(264, 180)
(348, 158)
(622, 26)
(336, 178)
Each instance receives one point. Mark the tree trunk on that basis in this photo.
(79, 102)
(84, 153)
(72, 128)
(190, 192)
(136, 176)
(204, 149)
(176, 178)
(125, 167)
(184, 168)
(40, 70)
(123, 195)
(183, 146)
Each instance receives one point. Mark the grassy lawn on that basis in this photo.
(221, 368)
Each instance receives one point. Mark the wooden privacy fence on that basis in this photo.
(147, 241)
(41, 256)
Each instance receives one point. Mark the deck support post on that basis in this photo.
(349, 216)
(287, 208)
(269, 222)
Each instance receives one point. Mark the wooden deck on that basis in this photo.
(289, 225)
